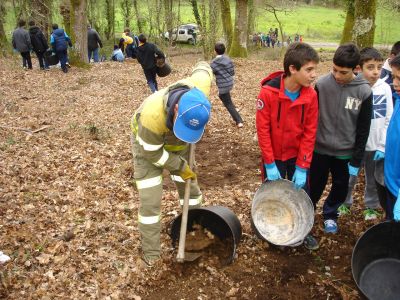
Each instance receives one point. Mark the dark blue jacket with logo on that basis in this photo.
(60, 40)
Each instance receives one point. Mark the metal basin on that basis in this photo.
(281, 214)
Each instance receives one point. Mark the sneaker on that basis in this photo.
(370, 214)
(68, 65)
(310, 242)
(240, 125)
(343, 210)
(330, 226)
(3, 258)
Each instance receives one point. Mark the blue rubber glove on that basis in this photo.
(379, 155)
(272, 171)
(353, 171)
(299, 177)
(396, 209)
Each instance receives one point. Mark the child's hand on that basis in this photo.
(379, 155)
(299, 177)
(272, 171)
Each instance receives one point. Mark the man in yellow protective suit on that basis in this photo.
(162, 127)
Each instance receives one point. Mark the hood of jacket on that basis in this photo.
(58, 32)
(34, 30)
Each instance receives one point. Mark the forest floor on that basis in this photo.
(68, 205)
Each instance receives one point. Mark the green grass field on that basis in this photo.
(315, 23)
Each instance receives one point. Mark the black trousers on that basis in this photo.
(321, 166)
(42, 62)
(386, 199)
(26, 58)
(227, 101)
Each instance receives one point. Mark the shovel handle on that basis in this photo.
(185, 210)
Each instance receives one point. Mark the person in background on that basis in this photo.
(60, 42)
(128, 43)
(117, 54)
(287, 118)
(146, 54)
(345, 110)
(386, 73)
(21, 41)
(39, 44)
(94, 42)
(371, 63)
(224, 71)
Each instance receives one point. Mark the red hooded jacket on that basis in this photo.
(286, 129)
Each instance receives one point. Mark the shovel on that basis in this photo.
(183, 256)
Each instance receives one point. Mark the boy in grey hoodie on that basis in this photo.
(345, 108)
(224, 70)
(21, 41)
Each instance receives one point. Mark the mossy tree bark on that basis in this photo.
(126, 12)
(364, 23)
(65, 11)
(251, 19)
(41, 14)
(79, 29)
(227, 22)
(109, 16)
(138, 16)
(239, 41)
(3, 12)
(347, 33)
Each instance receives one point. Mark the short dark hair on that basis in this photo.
(347, 56)
(369, 53)
(142, 38)
(395, 62)
(219, 48)
(31, 23)
(54, 26)
(298, 54)
(21, 23)
(116, 47)
(395, 48)
(127, 30)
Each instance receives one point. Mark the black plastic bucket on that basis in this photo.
(162, 67)
(375, 262)
(51, 58)
(221, 221)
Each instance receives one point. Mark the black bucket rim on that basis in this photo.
(218, 211)
(359, 240)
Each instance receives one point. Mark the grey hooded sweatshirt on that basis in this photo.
(344, 118)
(224, 71)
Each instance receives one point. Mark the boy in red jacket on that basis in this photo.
(287, 119)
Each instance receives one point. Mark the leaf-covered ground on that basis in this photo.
(68, 208)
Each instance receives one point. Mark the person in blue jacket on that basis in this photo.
(60, 41)
(392, 150)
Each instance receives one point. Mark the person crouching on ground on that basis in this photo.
(146, 55)
(286, 120)
(162, 127)
(117, 54)
(345, 109)
(224, 71)
(392, 153)
(60, 42)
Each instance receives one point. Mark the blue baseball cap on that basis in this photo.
(193, 114)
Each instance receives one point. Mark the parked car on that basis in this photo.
(187, 33)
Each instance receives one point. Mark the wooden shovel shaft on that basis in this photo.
(185, 210)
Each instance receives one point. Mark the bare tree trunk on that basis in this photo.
(364, 22)
(109, 15)
(213, 10)
(138, 16)
(65, 11)
(226, 22)
(347, 34)
(79, 32)
(250, 18)
(126, 12)
(239, 41)
(22, 9)
(168, 17)
(41, 13)
(196, 13)
(3, 39)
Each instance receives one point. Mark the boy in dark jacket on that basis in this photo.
(21, 41)
(60, 42)
(39, 44)
(224, 70)
(345, 108)
(146, 56)
(94, 42)
(286, 119)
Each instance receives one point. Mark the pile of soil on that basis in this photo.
(68, 205)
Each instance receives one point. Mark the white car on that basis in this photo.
(188, 33)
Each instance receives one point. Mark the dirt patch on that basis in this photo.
(69, 209)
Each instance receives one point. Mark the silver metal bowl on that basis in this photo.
(281, 214)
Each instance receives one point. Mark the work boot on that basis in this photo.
(310, 242)
(144, 262)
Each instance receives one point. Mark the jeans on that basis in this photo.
(321, 165)
(227, 101)
(129, 50)
(26, 59)
(151, 77)
(95, 54)
(63, 57)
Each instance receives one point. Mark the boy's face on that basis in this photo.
(306, 75)
(396, 79)
(371, 70)
(343, 75)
